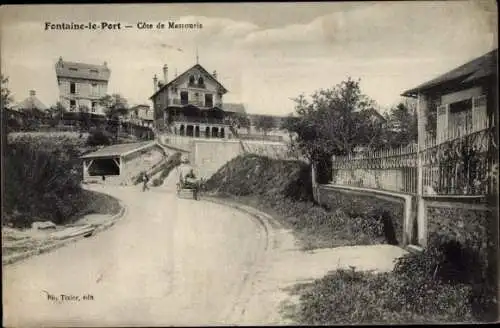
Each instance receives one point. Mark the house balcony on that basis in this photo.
(197, 103)
(199, 120)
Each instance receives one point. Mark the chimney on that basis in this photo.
(105, 64)
(155, 83)
(214, 74)
(32, 93)
(165, 74)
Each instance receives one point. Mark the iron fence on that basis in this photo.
(392, 169)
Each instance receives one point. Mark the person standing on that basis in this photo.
(145, 180)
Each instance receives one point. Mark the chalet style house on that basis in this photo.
(81, 86)
(192, 104)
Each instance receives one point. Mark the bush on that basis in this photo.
(157, 182)
(284, 188)
(434, 286)
(350, 297)
(99, 138)
(43, 182)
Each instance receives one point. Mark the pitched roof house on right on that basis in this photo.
(462, 101)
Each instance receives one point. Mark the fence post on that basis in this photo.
(421, 215)
(314, 183)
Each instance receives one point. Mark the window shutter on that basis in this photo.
(479, 113)
(442, 123)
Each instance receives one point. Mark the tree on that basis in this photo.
(56, 113)
(265, 123)
(242, 120)
(403, 124)
(115, 106)
(334, 122)
(6, 97)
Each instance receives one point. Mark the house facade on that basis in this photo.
(457, 114)
(141, 115)
(191, 104)
(81, 85)
(459, 102)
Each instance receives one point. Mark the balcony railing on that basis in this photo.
(189, 102)
(194, 119)
(196, 85)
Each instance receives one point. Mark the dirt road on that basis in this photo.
(173, 261)
(169, 261)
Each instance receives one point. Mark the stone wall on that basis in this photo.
(472, 225)
(210, 156)
(366, 204)
(141, 162)
(207, 156)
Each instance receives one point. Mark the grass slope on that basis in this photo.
(284, 190)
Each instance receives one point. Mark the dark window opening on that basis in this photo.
(72, 105)
(191, 80)
(184, 97)
(209, 102)
(72, 88)
(461, 106)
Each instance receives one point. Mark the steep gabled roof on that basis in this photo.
(198, 66)
(475, 69)
(82, 70)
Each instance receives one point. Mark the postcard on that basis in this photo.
(312, 163)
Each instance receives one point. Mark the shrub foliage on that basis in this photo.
(42, 177)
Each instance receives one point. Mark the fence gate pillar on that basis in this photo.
(421, 215)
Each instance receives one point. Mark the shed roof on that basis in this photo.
(118, 150)
(475, 69)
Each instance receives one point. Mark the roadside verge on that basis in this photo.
(63, 241)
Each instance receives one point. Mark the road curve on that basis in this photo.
(169, 261)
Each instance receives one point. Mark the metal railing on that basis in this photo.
(392, 169)
(195, 119)
(189, 102)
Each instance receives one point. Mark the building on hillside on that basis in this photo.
(31, 105)
(140, 115)
(81, 85)
(192, 104)
(459, 102)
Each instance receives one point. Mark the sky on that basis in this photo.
(264, 54)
